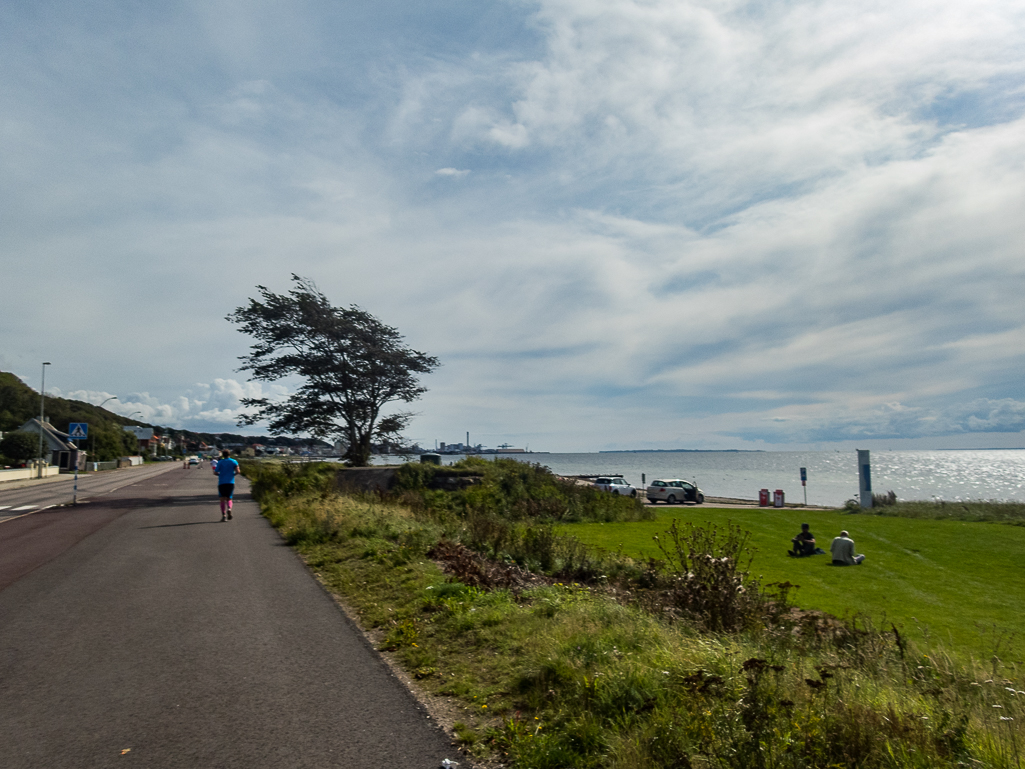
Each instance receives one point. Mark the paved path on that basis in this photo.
(188, 643)
(21, 497)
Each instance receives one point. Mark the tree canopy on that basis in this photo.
(351, 365)
(19, 446)
(107, 439)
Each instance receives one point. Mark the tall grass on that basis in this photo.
(957, 510)
(561, 675)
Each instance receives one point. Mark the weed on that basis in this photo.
(884, 500)
(710, 578)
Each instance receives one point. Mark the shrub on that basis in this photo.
(709, 577)
(884, 500)
(288, 479)
(20, 446)
(509, 490)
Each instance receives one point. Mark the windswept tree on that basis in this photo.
(352, 365)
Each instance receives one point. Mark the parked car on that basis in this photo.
(673, 490)
(615, 485)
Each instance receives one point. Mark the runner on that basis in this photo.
(226, 469)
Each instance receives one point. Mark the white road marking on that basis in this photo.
(4, 507)
(24, 507)
(7, 518)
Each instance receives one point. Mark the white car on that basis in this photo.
(673, 490)
(615, 485)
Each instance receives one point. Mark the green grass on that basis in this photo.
(564, 677)
(969, 510)
(954, 585)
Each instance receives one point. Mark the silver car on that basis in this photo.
(615, 485)
(673, 490)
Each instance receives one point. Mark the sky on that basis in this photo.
(619, 224)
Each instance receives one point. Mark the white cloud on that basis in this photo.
(204, 407)
(686, 221)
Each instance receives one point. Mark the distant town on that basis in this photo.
(151, 441)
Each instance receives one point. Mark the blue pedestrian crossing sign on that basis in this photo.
(78, 430)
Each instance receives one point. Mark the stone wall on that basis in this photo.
(365, 478)
(27, 473)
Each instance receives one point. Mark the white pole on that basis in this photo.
(865, 478)
(42, 410)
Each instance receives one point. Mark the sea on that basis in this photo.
(983, 474)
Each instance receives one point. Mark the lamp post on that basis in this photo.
(129, 417)
(42, 411)
(92, 443)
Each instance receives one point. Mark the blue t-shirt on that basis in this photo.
(226, 470)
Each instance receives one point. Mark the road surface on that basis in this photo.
(20, 497)
(162, 637)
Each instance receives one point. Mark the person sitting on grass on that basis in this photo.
(843, 551)
(804, 543)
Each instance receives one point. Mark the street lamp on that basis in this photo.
(129, 417)
(92, 444)
(42, 410)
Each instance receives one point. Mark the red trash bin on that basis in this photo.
(778, 499)
(763, 498)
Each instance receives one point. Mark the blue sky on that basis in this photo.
(619, 224)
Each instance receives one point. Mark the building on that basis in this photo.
(147, 440)
(58, 448)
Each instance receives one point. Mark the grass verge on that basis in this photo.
(951, 585)
(549, 674)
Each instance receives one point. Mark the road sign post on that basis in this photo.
(77, 431)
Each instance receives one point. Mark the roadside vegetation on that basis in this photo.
(949, 585)
(17, 447)
(19, 403)
(556, 654)
(969, 510)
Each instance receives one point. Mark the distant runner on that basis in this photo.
(226, 469)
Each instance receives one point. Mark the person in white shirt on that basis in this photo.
(843, 551)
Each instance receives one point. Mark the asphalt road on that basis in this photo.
(20, 497)
(165, 638)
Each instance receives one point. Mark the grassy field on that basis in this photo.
(549, 674)
(953, 585)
